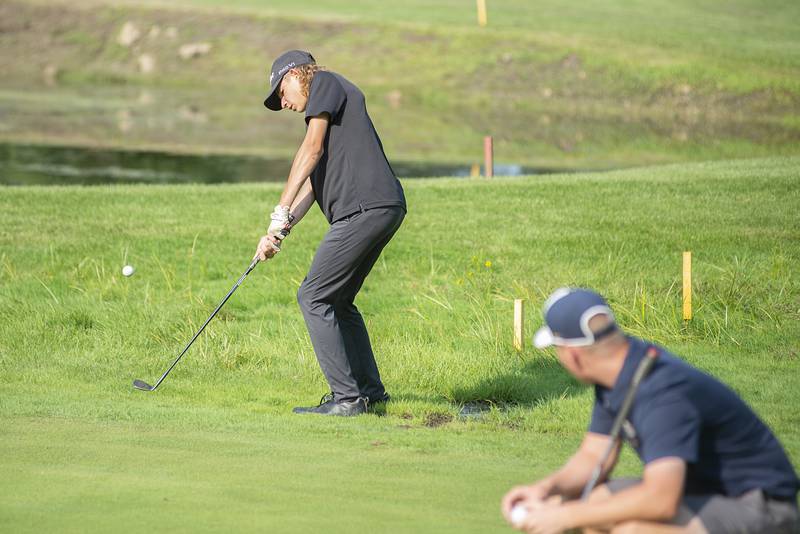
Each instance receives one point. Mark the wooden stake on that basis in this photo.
(687, 286)
(519, 324)
(481, 12)
(488, 157)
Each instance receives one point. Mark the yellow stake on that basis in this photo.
(519, 324)
(482, 12)
(687, 286)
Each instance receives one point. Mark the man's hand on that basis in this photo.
(268, 246)
(531, 497)
(280, 220)
(546, 519)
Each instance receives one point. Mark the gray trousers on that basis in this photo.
(753, 512)
(342, 262)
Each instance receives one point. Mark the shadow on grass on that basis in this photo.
(539, 378)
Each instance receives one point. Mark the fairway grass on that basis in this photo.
(281, 474)
(216, 448)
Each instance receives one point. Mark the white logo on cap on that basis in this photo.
(281, 71)
(285, 68)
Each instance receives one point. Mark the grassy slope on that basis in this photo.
(687, 38)
(215, 446)
(598, 85)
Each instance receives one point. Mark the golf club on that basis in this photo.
(144, 386)
(641, 371)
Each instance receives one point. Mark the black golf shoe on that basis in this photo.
(342, 408)
(381, 398)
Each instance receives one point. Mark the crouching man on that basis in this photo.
(710, 464)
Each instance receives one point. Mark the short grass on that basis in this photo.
(216, 448)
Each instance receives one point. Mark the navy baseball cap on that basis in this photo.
(282, 65)
(567, 313)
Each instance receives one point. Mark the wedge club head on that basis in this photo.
(144, 386)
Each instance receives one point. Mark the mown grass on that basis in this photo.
(216, 445)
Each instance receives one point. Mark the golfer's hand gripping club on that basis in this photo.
(280, 223)
(267, 247)
(279, 227)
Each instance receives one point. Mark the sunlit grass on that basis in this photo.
(439, 304)
(595, 85)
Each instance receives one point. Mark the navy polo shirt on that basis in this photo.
(353, 174)
(679, 411)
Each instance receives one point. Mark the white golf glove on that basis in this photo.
(279, 222)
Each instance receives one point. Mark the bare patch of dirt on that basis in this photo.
(435, 420)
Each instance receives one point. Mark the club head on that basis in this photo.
(144, 386)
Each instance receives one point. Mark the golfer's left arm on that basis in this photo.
(657, 498)
(307, 158)
(302, 202)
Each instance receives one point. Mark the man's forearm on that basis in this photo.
(570, 479)
(302, 202)
(303, 165)
(636, 503)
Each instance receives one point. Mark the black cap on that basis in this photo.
(282, 65)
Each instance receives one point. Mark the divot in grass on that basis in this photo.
(435, 420)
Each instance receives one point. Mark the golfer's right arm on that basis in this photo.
(567, 482)
(297, 193)
(306, 159)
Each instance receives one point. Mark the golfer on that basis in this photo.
(710, 464)
(340, 165)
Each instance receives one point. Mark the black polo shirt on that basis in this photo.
(682, 412)
(353, 173)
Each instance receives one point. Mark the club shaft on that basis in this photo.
(236, 285)
(641, 371)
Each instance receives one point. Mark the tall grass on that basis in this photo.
(439, 303)
(74, 332)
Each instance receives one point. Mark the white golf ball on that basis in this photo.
(518, 514)
(127, 270)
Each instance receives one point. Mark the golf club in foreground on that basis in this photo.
(144, 386)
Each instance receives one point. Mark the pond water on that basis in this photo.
(59, 165)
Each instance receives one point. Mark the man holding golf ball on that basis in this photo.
(710, 464)
(340, 165)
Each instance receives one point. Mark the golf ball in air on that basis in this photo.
(127, 270)
(518, 514)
